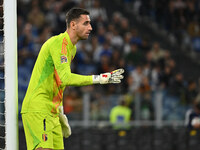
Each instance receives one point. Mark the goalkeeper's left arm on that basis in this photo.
(66, 78)
(104, 78)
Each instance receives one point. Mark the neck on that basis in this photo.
(74, 39)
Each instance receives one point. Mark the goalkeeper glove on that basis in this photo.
(109, 77)
(66, 129)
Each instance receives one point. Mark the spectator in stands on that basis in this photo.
(198, 88)
(177, 85)
(135, 56)
(127, 46)
(57, 14)
(36, 18)
(20, 26)
(135, 79)
(26, 43)
(190, 92)
(154, 77)
(145, 7)
(166, 77)
(115, 57)
(72, 104)
(101, 34)
(147, 70)
(194, 32)
(192, 119)
(120, 116)
(196, 44)
(157, 54)
(169, 15)
(190, 10)
(145, 45)
(96, 48)
(135, 38)
(116, 40)
(106, 50)
(179, 4)
(124, 26)
(144, 86)
(146, 105)
(193, 27)
(98, 14)
(104, 64)
(83, 59)
(45, 34)
(97, 11)
(171, 63)
(116, 19)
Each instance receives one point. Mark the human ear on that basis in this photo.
(73, 25)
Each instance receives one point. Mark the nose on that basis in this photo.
(90, 27)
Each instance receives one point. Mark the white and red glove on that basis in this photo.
(109, 77)
(66, 129)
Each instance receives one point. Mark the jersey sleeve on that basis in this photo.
(63, 71)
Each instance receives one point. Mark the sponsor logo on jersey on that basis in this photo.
(63, 59)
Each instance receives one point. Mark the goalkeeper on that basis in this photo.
(44, 123)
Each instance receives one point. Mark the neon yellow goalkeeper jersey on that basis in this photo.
(51, 74)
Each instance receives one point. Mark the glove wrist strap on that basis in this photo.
(95, 79)
(61, 110)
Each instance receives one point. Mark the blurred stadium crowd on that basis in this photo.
(180, 17)
(115, 43)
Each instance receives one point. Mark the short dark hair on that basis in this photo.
(75, 13)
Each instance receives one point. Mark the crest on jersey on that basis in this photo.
(63, 59)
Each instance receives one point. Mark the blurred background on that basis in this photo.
(157, 42)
